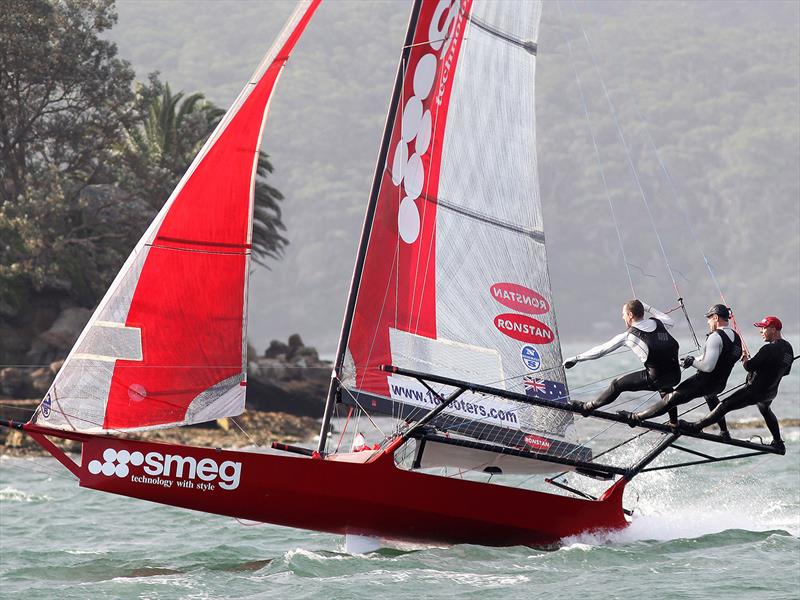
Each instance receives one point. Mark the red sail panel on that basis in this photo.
(189, 302)
(397, 288)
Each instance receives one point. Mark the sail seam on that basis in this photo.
(222, 252)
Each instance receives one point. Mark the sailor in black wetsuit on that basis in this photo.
(765, 371)
(722, 351)
(652, 344)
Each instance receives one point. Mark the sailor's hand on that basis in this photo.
(568, 364)
(745, 356)
(687, 362)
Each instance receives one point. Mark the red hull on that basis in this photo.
(362, 494)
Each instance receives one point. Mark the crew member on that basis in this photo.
(765, 370)
(652, 344)
(722, 351)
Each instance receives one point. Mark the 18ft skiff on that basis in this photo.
(449, 327)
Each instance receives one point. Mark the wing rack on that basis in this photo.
(588, 468)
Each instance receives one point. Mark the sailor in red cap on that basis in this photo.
(765, 370)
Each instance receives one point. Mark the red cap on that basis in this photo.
(770, 322)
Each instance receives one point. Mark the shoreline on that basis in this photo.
(251, 428)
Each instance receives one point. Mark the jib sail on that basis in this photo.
(166, 345)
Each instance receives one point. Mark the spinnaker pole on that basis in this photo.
(341, 349)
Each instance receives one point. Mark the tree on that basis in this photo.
(64, 98)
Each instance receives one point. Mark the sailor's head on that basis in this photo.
(770, 328)
(718, 316)
(632, 311)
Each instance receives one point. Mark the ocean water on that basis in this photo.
(729, 530)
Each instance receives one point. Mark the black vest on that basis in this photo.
(729, 355)
(662, 351)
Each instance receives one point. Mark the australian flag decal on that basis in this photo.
(545, 389)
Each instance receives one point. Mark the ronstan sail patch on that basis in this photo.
(518, 297)
(524, 329)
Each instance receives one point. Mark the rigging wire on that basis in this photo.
(632, 166)
(677, 199)
(597, 154)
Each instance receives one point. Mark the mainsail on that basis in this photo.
(454, 279)
(167, 344)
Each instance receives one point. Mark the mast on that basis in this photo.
(341, 349)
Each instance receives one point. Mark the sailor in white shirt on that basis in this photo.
(722, 351)
(652, 344)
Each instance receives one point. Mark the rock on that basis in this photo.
(16, 383)
(42, 378)
(15, 439)
(276, 349)
(307, 354)
(55, 343)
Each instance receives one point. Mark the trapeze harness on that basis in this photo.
(662, 355)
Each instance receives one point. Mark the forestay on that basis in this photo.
(166, 345)
(455, 279)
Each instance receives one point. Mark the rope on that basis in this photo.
(632, 166)
(679, 203)
(344, 429)
(597, 155)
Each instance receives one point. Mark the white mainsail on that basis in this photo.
(455, 279)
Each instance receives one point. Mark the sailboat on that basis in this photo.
(449, 328)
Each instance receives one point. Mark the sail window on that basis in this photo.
(109, 341)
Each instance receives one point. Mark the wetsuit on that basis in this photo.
(766, 369)
(653, 345)
(722, 351)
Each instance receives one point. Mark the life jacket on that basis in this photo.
(662, 353)
(728, 357)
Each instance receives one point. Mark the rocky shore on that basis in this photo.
(252, 428)
(286, 388)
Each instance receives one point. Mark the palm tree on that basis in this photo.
(170, 132)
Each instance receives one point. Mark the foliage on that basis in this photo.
(86, 161)
(65, 97)
(159, 148)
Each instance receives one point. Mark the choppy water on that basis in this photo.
(728, 530)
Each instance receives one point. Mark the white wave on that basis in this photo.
(14, 495)
(289, 555)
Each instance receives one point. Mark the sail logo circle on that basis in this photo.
(524, 328)
(46, 405)
(518, 297)
(121, 458)
(416, 121)
(531, 358)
